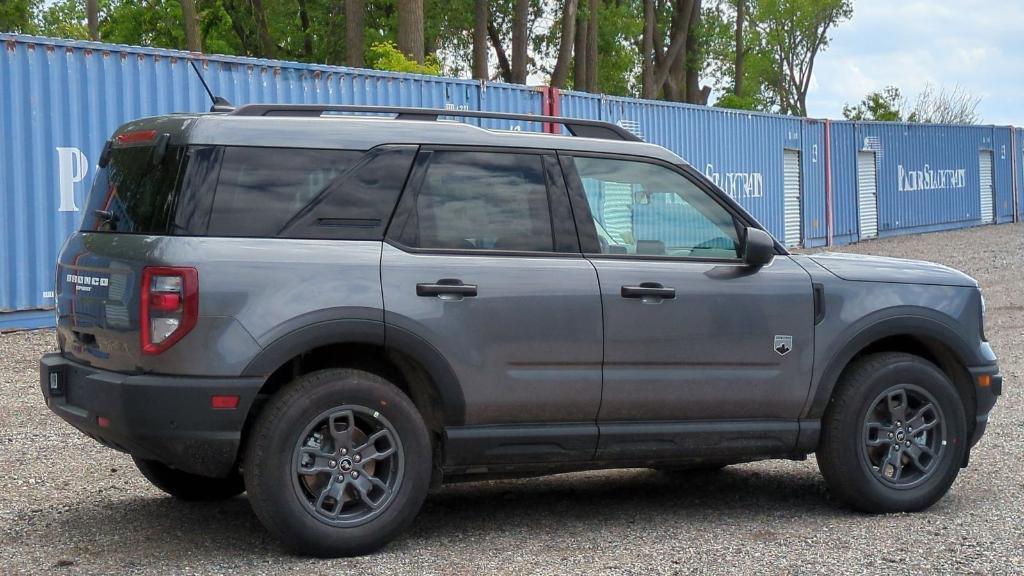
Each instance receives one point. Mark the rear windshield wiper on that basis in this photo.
(106, 217)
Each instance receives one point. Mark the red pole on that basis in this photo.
(555, 107)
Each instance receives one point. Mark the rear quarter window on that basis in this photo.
(261, 189)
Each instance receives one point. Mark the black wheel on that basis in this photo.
(338, 463)
(893, 436)
(189, 486)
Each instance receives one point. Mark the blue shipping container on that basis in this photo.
(60, 100)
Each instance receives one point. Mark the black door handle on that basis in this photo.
(648, 290)
(446, 287)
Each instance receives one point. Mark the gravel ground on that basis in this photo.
(70, 506)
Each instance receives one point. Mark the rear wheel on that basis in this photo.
(894, 435)
(187, 486)
(338, 463)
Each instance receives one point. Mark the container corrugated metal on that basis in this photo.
(928, 175)
(60, 100)
(741, 151)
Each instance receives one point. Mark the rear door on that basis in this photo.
(700, 350)
(482, 262)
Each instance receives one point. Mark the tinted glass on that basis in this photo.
(358, 205)
(133, 195)
(482, 201)
(261, 189)
(647, 209)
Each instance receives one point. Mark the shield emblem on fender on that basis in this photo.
(783, 344)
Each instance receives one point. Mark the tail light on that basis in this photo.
(170, 306)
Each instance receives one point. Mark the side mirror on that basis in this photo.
(758, 247)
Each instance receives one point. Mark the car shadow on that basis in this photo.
(163, 527)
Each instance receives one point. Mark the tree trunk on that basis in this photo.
(741, 56)
(674, 59)
(694, 94)
(647, 52)
(410, 29)
(307, 35)
(188, 14)
(267, 47)
(503, 65)
(520, 40)
(591, 74)
(92, 15)
(481, 71)
(355, 11)
(579, 69)
(568, 33)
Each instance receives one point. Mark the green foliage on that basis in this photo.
(387, 56)
(18, 16)
(886, 105)
(64, 19)
(618, 64)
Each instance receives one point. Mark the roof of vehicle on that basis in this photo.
(365, 132)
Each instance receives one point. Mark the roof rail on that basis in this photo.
(575, 126)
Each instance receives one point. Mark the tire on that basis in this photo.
(303, 471)
(870, 454)
(192, 487)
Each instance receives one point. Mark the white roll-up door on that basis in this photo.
(985, 164)
(792, 212)
(867, 195)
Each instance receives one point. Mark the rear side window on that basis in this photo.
(482, 201)
(133, 195)
(261, 189)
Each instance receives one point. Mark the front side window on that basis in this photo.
(646, 209)
(482, 201)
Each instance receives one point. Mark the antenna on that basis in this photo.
(219, 104)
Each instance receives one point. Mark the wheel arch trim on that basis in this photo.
(909, 321)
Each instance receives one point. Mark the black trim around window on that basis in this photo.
(583, 217)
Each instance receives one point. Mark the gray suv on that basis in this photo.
(337, 308)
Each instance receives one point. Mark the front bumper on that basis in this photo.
(985, 397)
(163, 418)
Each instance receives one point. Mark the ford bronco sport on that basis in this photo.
(335, 310)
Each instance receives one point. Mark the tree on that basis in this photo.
(92, 16)
(354, 15)
(18, 16)
(887, 105)
(795, 31)
(410, 29)
(520, 40)
(740, 50)
(188, 14)
(481, 54)
(942, 106)
(566, 37)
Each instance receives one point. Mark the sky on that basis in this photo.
(909, 43)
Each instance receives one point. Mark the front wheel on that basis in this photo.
(894, 434)
(338, 463)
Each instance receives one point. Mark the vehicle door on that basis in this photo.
(709, 348)
(483, 263)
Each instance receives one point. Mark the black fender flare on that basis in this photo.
(372, 332)
(898, 321)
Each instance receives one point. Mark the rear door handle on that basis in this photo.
(446, 287)
(648, 290)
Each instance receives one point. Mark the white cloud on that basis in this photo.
(971, 43)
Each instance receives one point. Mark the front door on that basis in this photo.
(483, 264)
(699, 348)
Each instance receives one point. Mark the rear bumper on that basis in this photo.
(163, 418)
(985, 397)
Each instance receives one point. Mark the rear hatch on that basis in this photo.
(132, 203)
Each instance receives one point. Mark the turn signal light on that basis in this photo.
(985, 380)
(170, 306)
